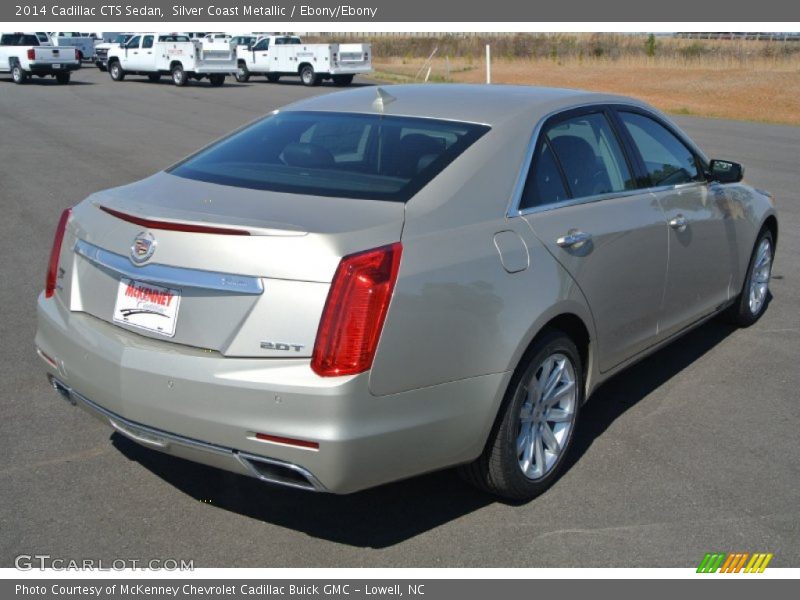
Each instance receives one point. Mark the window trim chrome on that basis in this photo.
(519, 187)
(179, 277)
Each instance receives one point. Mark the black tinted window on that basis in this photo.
(668, 160)
(147, 42)
(590, 156)
(19, 39)
(544, 184)
(334, 154)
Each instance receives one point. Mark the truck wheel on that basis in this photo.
(342, 80)
(273, 77)
(308, 77)
(179, 77)
(216, 80)
(242, 74)
(62, 78)
(154, 77)
(18, 74)
(116, 71)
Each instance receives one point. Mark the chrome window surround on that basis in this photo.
(167, 275)
(519, 187)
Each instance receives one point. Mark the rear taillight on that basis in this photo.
(55, 254)
(31, 54)
(355, 311)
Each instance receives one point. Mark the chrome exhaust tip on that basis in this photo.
(280, 473)
(63, 390)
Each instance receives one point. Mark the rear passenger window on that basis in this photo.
(147, 42)
(590, 156)
(667, 159)
(545, 184)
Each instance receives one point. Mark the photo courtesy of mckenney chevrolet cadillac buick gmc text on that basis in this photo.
(377, 283)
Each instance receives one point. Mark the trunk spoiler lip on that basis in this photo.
(195, 226)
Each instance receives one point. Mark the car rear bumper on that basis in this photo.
(351, 70)
(207, 408)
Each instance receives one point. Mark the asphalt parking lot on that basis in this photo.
(695, 449)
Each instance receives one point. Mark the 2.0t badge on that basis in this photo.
(144, 245)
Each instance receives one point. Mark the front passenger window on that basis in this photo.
(667, 159)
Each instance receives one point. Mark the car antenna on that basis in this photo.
(383, 99)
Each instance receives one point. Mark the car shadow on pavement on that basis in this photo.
(392, 513)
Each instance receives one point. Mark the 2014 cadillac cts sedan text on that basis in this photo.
(369, 285)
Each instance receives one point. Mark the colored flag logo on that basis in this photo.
(734, 562)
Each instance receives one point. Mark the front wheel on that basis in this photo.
(752, 302)
(62, 78)
(308, 77)
(18, 74)
(242, 74)
(216, 80)
(179, 77)
(116, 72)
(533, 434)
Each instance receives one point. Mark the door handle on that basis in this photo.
(574, 239)
(679, 223)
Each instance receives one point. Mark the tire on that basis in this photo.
(523, 422)
(18, 74)
(179, 76)
(216, 80)
(342, 80)
(754, 297)
(308, 77)
(273, 77)
(116, 71)
(242, 74)
(62, 78)
(154, 77)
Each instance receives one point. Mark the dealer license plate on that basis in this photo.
(147, 306)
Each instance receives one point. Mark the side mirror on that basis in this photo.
(725, 171)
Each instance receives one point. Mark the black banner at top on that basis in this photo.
(419, 11)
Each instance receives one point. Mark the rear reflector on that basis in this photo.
(55, 255)
(288, 441)
(355, 310)
(169, 226)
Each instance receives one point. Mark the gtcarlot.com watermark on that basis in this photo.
(46, 562)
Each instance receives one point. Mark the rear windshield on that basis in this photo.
(334, 154)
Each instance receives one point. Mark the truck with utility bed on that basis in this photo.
(176, 55)
(276, 56)
(24, 54)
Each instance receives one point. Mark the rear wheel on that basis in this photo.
(116, 71)
(752, 302)
(154, 77)
(533, 434)
(18, 74)
(179, 77)
(273, 77)
(342, 80)
(62, 78)
(216, 80)
(308, 77)
(242, 74)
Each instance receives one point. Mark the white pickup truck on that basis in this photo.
(157, 54)
(276, 56)
(24, 54)
(101, 50)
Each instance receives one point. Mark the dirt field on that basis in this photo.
(759, 92)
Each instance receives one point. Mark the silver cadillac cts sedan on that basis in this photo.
(369, 285)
